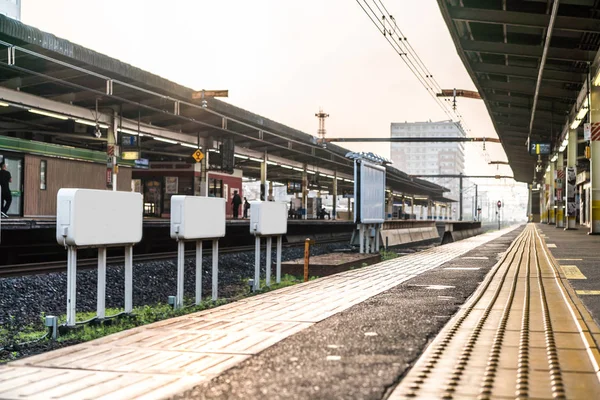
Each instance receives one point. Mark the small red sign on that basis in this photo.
(109, 177)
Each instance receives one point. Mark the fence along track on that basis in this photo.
(517, 337)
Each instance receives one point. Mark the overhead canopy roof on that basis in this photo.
(501, 43)
(65, 73)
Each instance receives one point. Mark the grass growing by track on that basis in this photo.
(17, 342)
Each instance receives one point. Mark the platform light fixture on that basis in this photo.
(585, 106)
(92, 123)
(48, 114)
(2, 104)
(127, 131)
(256, 159)
(311, 172)
(271, 163)
(286, 166)
(297, 169)
(213, 150)
(240, 156)
(191, 146)
(160, 139)
(554, 158)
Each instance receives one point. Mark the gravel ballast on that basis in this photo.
(26, 298)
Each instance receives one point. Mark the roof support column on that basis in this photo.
(111, 154)
(571, 188)
(595, 165)
(335, 194)
(204, 175)
(263, 178)
(304, 192)
(429, 204)
(412, 206)
(552, 195)
(560, 184)
(421, 211)
(389, 205)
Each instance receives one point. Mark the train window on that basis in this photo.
(43, 174)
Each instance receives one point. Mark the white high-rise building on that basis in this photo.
(11, 8)
(431, 158)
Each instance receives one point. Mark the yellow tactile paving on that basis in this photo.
(522, 335)
(168, 357)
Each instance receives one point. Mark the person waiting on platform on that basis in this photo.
(246, 208)
(5, 195)
(236, 203)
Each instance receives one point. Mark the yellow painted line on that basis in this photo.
(588, 292)
(572, 272)
(569, 259)
(551, 245)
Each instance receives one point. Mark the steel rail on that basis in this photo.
(38, 268)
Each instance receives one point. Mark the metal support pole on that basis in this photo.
(268, 261)
(198, 271)
(304, 193)
(594, 203)
(306, 258)
(215, 269)
(278, 272)
(377, 229)
(460, 190)
(263, 179)
(71, 285)
(128, 279)
(571, 163)
(368, 244)
(560, 165)
(361, 238)
(256, 285)
(335, 194)
(476, 206)
(101, 298)
(180, 273)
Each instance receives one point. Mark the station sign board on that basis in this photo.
(294, 187)
(542, 148)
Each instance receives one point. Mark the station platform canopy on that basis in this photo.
(55, 91)
(530, 66)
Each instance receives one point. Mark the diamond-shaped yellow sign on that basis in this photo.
(198, 155)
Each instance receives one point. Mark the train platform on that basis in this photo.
(488, 317)
(394, 306)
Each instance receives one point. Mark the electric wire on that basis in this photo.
(414, 62)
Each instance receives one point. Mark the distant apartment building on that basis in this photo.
(431, 158)
(11, 8)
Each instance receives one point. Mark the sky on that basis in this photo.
(284, 59)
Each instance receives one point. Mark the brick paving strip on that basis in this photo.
(168, 357)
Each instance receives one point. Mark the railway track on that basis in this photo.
(91, 263)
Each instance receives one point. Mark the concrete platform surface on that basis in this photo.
(174, 356)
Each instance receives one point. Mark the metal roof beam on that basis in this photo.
(522, 87)
(524, 72)
(516, 18)
(524, 50)
(558, 106)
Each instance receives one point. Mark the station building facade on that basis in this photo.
(431, 158)
(11, 8)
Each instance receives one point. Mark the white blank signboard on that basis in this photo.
(268, 218)
(98, 218)
(194, 217)
(370, 192)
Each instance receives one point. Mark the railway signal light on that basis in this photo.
(499, 204)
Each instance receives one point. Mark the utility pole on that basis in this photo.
(460, 201)
(476, 206)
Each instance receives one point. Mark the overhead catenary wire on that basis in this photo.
(413, 61)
